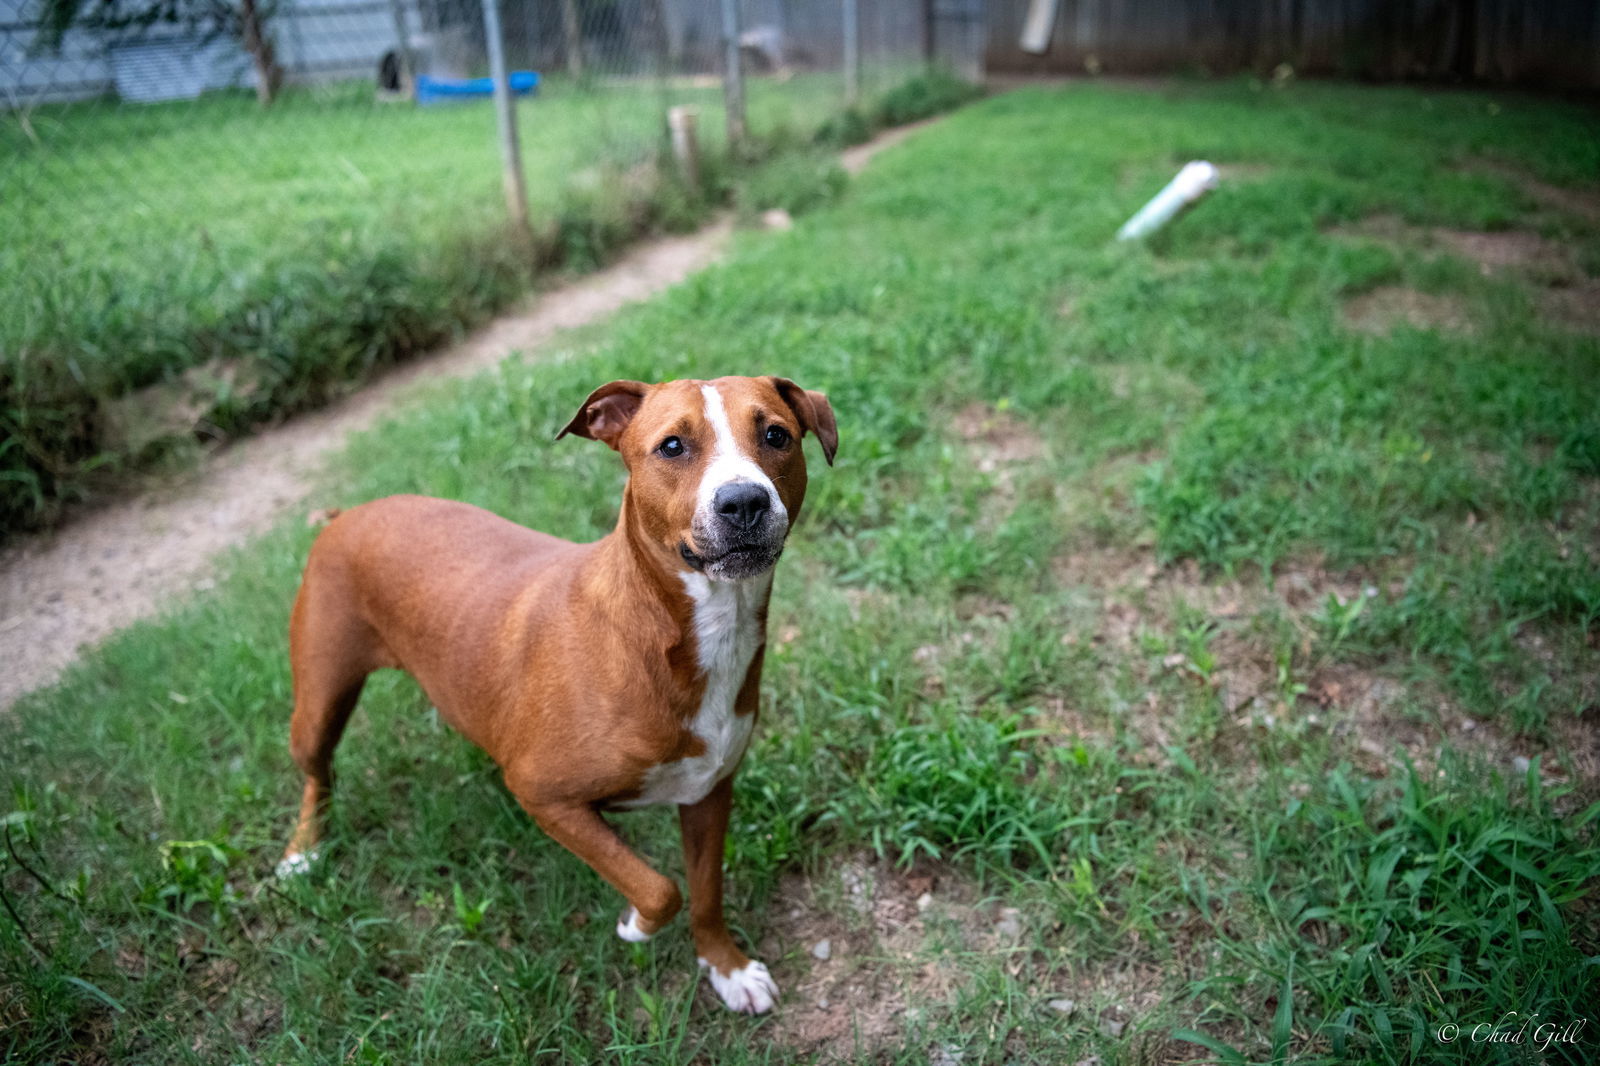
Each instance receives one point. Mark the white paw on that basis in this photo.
(748, 990)
(628, 928)
(297, 863)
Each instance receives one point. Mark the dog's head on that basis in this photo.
(716, 472)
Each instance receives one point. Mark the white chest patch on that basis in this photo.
(727, 627)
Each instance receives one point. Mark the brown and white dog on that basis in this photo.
(606, 675)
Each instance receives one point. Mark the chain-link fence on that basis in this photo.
(217, 211)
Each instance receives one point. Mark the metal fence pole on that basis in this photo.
(656, 19)
(732, 74)
(516, 188)
(408, 66)
(852, 52)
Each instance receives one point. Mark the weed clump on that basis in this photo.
(849, 127)
(924, 96)
(794, 183)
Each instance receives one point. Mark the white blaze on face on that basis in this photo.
(729, 463)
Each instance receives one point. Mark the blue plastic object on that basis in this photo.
(440, 90)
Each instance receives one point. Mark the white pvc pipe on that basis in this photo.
(1040, 24)
(1192, 182)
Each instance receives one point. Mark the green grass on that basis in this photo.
(1077, 484)
(291, 251)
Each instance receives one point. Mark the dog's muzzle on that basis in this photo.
(740, 537)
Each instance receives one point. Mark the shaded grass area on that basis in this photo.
(1146, 599)
(187, 271)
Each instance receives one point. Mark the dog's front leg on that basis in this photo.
(743, 984)
(578, 827)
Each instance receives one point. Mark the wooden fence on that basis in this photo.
(1545, 43)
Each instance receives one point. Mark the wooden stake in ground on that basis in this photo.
(685, 143)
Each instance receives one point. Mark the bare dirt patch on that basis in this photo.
(1002, 446)
(881, 967)
(1385, 724)
(1382, 309)
(1134, 590)
(997, 438)
(1581, 202)
(1577, 307)
(1377, 718)
(872, 954)
(1494, 251)
(1499, 250)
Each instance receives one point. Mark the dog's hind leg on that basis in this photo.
(331, 651)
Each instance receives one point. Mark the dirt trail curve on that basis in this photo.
(76, 585)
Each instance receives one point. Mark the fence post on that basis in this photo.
(656, 17)
(930, 46)
(516, 188)
(408, 67)
(852, 52)
(685, 144)
(732, 75)
(573, 31)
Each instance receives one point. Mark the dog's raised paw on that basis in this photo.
(749, 990)
(628, 928)
(296, 863)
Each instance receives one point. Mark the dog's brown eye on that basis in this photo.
(777, 436)
(671, 448)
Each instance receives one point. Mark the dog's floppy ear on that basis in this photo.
(813, 411)
(607, 412)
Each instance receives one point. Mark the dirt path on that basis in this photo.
(76, 585)
(855, 160)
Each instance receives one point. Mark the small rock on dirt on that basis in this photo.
(1063, 1006)
(822, 950)
(924, 901)
(857, 882)
(1009, 925)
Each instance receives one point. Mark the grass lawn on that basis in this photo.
(1192, 654)
(149, 224)
(278, 255)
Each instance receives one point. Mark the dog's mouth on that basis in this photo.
(735, 561)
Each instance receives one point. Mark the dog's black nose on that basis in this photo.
(741, 504)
